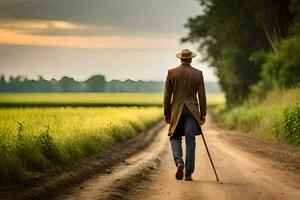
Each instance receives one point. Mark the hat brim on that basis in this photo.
(178, 55)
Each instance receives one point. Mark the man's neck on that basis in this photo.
(185, 63)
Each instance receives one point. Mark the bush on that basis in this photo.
(292, 124)
(280, 69)
(47, 146)
(30, 156)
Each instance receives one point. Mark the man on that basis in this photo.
(181, 110)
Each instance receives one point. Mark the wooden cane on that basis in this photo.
(212, 164)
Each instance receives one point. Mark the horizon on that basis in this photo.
(6, 78)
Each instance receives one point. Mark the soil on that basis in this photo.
(281, 155)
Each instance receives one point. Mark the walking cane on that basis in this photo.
(212, 164)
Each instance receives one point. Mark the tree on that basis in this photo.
(229, 31)
(2, 79)
(67, 84)
(96, 83)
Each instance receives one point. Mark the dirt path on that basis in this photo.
(150, 175)
(124, 176)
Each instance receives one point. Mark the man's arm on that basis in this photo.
(202, 99)
(167, 98)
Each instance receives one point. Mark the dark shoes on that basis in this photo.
(179, 173)
(188, 178)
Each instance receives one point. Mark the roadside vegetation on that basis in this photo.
(276, 117)
(33, 140)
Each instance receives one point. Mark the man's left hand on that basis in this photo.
(167, 119)
(202, 121)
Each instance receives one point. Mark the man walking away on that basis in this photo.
(183, 112)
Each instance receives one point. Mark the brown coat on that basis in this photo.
(182, 85)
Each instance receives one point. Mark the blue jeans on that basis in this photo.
(190, 152)
(188, 127)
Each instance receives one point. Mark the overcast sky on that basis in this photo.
(121, 39)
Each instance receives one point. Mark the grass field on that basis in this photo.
(36, 139)
(91, 99)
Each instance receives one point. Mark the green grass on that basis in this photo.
(80, 99)
(36, 139)
(276, 117)
(92, 99)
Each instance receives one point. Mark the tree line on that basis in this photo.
(96, 83)
(253, 44)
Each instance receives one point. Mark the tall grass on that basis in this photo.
(36, 139)
(276, 117)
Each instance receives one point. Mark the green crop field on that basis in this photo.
(91, 99)
(80, 99)
(36, 139)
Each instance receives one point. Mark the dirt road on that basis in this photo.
(150, 175)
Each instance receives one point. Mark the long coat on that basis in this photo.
(183, 84)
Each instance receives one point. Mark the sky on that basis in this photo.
(121, 39)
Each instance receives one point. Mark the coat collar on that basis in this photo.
(185, 64)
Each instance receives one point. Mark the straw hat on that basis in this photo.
(186, 54)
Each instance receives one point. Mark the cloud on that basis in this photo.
(21, 24)
(113, 24)
(17, 36)
(53, 27)
(127, 15)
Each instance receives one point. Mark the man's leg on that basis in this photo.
(190, 154)
(176, 149)
(177, 155)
